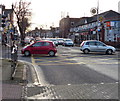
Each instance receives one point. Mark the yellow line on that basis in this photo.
(84, 56)
(60, 63)
(63, 63)
(102, 63)
(109, 58)
(46, 61)
(33, 60)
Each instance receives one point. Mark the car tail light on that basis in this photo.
(82, 44)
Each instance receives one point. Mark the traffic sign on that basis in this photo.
(100, 19)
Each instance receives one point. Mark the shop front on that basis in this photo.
(112, 33)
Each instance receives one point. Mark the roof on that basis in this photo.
(44, 41)
(108, 15)
(111, 15)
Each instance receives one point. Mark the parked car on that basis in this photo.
(60, 41)
(96, 46)
(38, 39)
(68, 42)
(40, 47)
(27, 40)
(54, 41)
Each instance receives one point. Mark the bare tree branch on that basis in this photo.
(21, 10)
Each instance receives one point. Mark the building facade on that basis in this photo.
(65, 24)
(7, 29)
(104, 27)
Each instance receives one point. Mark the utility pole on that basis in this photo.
(97, 19)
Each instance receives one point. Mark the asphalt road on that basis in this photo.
(70, 66)
(73, 75)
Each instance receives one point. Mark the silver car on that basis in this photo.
(96, 46)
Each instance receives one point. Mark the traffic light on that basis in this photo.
(3, 21)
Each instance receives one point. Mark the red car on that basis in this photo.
(40, 47)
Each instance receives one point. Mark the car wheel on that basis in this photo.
(86, 51)
(27, 53)
(109, 51)
(51, 53)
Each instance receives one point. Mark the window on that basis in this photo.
(87, 43)
(46, 44)
(92, 43)
(37, 44)
(100, 44)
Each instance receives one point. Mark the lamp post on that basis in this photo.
(95, 11)
(97, 19)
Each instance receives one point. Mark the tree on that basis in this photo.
(22, 12)
(25, 24)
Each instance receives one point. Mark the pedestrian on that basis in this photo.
(14, 49)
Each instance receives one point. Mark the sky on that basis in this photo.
(46, 13)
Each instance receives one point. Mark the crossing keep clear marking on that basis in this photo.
(69, 60)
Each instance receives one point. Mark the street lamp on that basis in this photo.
(97, 19)
(95, 11)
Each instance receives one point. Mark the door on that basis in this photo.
(46, 47)
(101, 47)
(36, 48)
(92, 46)
(41, 48)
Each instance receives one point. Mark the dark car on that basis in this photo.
(40, 47)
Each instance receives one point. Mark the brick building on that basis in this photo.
(65, 24)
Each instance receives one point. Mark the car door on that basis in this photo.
(45, 47)
(101, 46)
(36, 48)
(92, 46)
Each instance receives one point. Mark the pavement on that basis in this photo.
(23, 86)
(12, 85)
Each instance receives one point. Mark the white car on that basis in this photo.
(96, 46)
(60, 41)
(68, 42)
(54, 41)
(27, 40)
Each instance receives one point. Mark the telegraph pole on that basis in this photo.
(97, 19)
(95, 11)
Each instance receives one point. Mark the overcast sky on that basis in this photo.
(49, 12)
